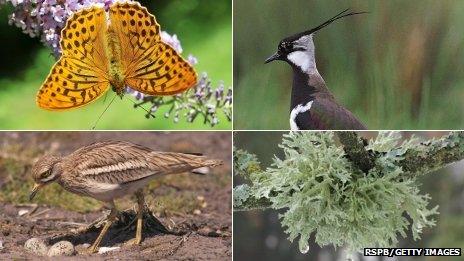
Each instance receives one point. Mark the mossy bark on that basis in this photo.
(355, 150)
(435, 154)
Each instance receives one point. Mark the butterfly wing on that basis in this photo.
(70, 84)
(81, 74)
(149, 65)
(164, 72)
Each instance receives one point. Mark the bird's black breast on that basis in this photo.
(311, 120)
(304, 121)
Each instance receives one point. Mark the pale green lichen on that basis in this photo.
(241, 193)
(245, 164)
(321, 191)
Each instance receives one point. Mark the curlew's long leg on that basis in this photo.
(141, 205)
(110, 219)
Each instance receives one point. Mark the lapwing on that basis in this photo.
(312, 104)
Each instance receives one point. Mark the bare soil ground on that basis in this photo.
(197, 208)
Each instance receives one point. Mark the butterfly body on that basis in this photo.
(115, 67)
(118, 48)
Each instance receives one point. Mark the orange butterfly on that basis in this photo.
(126, 51)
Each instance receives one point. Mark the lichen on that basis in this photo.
(320, 191)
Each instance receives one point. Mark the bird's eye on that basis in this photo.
(285, 47)
(45, 174)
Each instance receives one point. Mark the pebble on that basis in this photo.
(1, 245)
(103, 250)
(62, 248)
(36, 246)
(22, 212)
(206, 231)
(82, 248)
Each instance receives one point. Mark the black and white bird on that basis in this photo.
(312, 104)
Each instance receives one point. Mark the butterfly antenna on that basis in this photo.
(104, 98)
(149, 113)
(101, 115)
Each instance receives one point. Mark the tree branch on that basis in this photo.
(355, 150)
(434, 154)
(424, 158)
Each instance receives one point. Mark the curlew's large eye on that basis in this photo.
(45, 174)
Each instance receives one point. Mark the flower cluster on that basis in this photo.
(201, 99)
(46, 19)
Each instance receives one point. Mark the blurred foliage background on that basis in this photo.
(203, 27)
(258, 235)
(399, 67)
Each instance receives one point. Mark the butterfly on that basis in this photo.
(118, 48)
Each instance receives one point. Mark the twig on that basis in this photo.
(27, 205)
(40, 213)
(71, 223)
(34, 209)
(354, 147)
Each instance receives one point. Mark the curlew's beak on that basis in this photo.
(273, 57)
(34, 190)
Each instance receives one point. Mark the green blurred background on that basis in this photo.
(203, 27)
(258, 235)
(399, 67)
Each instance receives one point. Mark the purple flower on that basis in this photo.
(71, 5)
(59, 13)
(219, 92)
(192, 59)
(172, 41)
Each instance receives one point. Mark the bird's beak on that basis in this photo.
(273, 57)
(34, 190)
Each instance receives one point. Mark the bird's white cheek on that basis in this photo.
(302, 59)
(49, 178)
